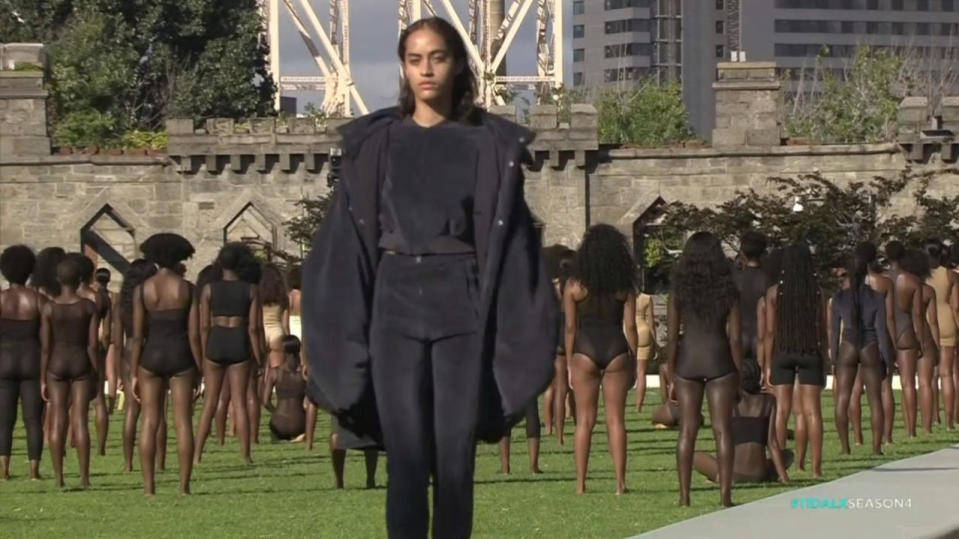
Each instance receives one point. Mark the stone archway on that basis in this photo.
(653, 247)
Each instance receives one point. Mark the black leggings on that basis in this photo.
(28, 390)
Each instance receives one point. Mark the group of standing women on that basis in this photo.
(163, 335)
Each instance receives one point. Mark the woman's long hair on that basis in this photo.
(273, 287)
(45, 270)
(935, 249)
(603, 263)
(857, 269)
(799, 315)
(703, 280)
(139, 271)
(464, 83)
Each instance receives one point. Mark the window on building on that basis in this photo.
(922, 5)
(624, 73)
(579, 30)
(627, 49)
(720, 27)
(944, 29)
(720, 4)
(848, 27)
(897, 5)
(578, 7)
(720, 51)
(898, 28)
(627, 25)
(872, 27)
(872, 4)
(922, 29)
(619, 4)
(577, 79)
(948, 5)
(579, 55)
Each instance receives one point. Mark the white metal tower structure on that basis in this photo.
(332, 55)
(489, 37)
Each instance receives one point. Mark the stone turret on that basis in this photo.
(23, 100)
(747, 104)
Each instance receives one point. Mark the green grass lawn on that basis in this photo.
(288, 492)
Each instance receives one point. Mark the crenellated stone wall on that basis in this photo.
(236, 179)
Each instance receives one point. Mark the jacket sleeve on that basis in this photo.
(336, 291)
(526, 316)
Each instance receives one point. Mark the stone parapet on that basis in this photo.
(747, 105)
(23, 100)
(920, 136)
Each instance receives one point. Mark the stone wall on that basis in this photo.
(234, 179)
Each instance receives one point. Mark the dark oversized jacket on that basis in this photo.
(517, 303)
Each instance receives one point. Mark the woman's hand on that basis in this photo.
(43, 391)
(134, 387)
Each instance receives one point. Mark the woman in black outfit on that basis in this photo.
(561, 393)
(97, 395)
(230, 318)
(20, 309)
(139, 271)
(288, 416)
(704, 305)
(68, 345)
(599, 298)
(428, 240)
(166, 352)
(796, 340)
(862, 345)
(753, 432)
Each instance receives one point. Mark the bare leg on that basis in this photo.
(181, 390)
(855, 406)
(846, 373)
(707, 465)
(947, 361)
(640, 383)
(338, 458)
(57, 417)
(907, 379)
(888, 405)
(663, 416)
(617, 379)
(812, 412)
(722, 394)
(689, 393)
(151, 398)
(784, 403)
(504, 444)
(371, 456)
(253, 404)
(533, 446)
(81, 399)
(162, 434)
(871, 369)
(310, 424)
(586, 385)
(112, 374)
(560, 392)
(548, 406)
(213, 375)
(934, 385)
(100, 411)
(800, 435)
(239, 374)
(222, 409)
(926, 364)
(129, 428)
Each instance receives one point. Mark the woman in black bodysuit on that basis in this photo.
(599, 297)
(68, 344)
(704, 305)
(140, 270)
(166, 352)
(101, 285)
(862, 345)
(796, 340)
(916, 262)
(288, 416)
(754, 432)
(230, 331)
(20, 309)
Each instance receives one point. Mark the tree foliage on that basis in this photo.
(128, 64)
(832, 218)
(648, 115)
(312, 211)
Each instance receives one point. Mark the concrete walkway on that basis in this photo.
(917, 497)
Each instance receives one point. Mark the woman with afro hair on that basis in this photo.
(68, 343)
(20, 309)
(44, 277)
(599, 298)
(230, 336)
(704, 307)
(165, 352)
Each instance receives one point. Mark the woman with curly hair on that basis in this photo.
(68, 344)
(138, 272)
(796, 341)
(917, 263)
(20, 309)
(599, 298)
(276, 313)
(165, 352)
(230, 328)
(44, 278)
(704, 307)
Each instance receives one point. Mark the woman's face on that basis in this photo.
(429, 66)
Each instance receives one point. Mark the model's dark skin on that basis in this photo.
(163, 291)
(20, 303)
(852, 363)
(132, 405)
(908, 297)
(809, 395)
(59, 394)
(750, 459)
(721, 393)
(557, 397)
(239, 373)
(585, 377)
(930, 353)
(882, 284)
(504, 453)
(103, 341)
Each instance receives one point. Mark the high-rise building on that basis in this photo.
(688, 38)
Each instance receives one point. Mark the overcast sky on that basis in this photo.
(373, 32)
